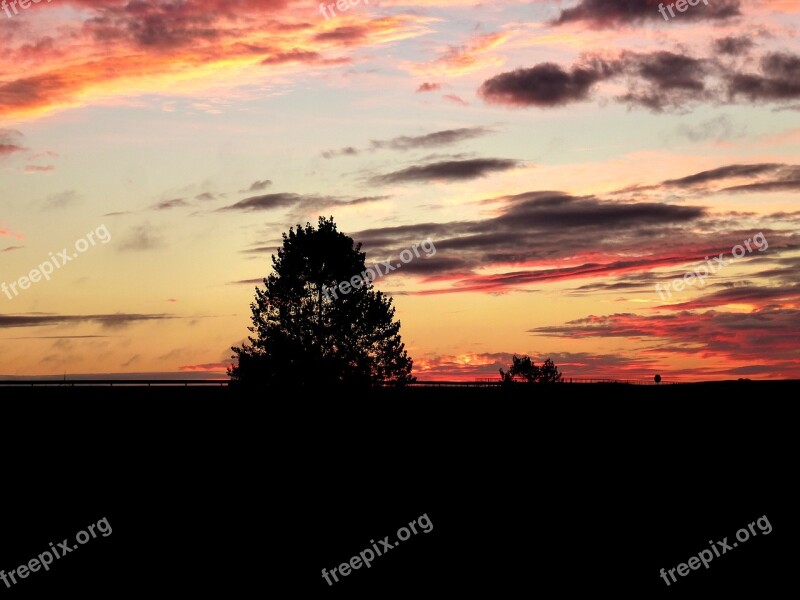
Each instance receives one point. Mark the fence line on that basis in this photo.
(116, 382)
(496, 381)
(486, 383)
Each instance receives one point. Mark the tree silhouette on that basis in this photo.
(523, 369)
(549, 373)
(306, 332)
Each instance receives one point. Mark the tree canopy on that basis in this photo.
(307, 332)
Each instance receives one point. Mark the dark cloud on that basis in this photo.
(767, 177)
(544, 85)
(660, 80)
(779, 79)
(781, 65)
(787, 179)
(536, 229)
(257, 281)
(271, 202)
(733, 45)
(614, 13)
(262, 249)
(454, 170)
(726, 172)
(301, 203)
(554, 210)
(657, 80)
(547, 236)
(107, 321)
(431, 140)
(365, 200)
(669, 70)
(541, 218)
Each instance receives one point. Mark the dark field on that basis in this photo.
(577, 488)
(737, 390)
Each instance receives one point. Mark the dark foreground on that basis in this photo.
(740, 389)
(575, 488)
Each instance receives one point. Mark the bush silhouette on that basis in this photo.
(524, 370)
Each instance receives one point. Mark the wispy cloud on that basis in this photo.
(428, 87)
(141, 238)
(10, 142)
(258, 186)
(107, 321)
(453, 170)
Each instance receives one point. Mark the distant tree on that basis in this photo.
(306, 333)
(549, 373)
(523, 369)
(657, 378)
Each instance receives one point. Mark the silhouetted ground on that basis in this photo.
(578, 488)
(743, 389)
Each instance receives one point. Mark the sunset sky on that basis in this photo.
(563, 157)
